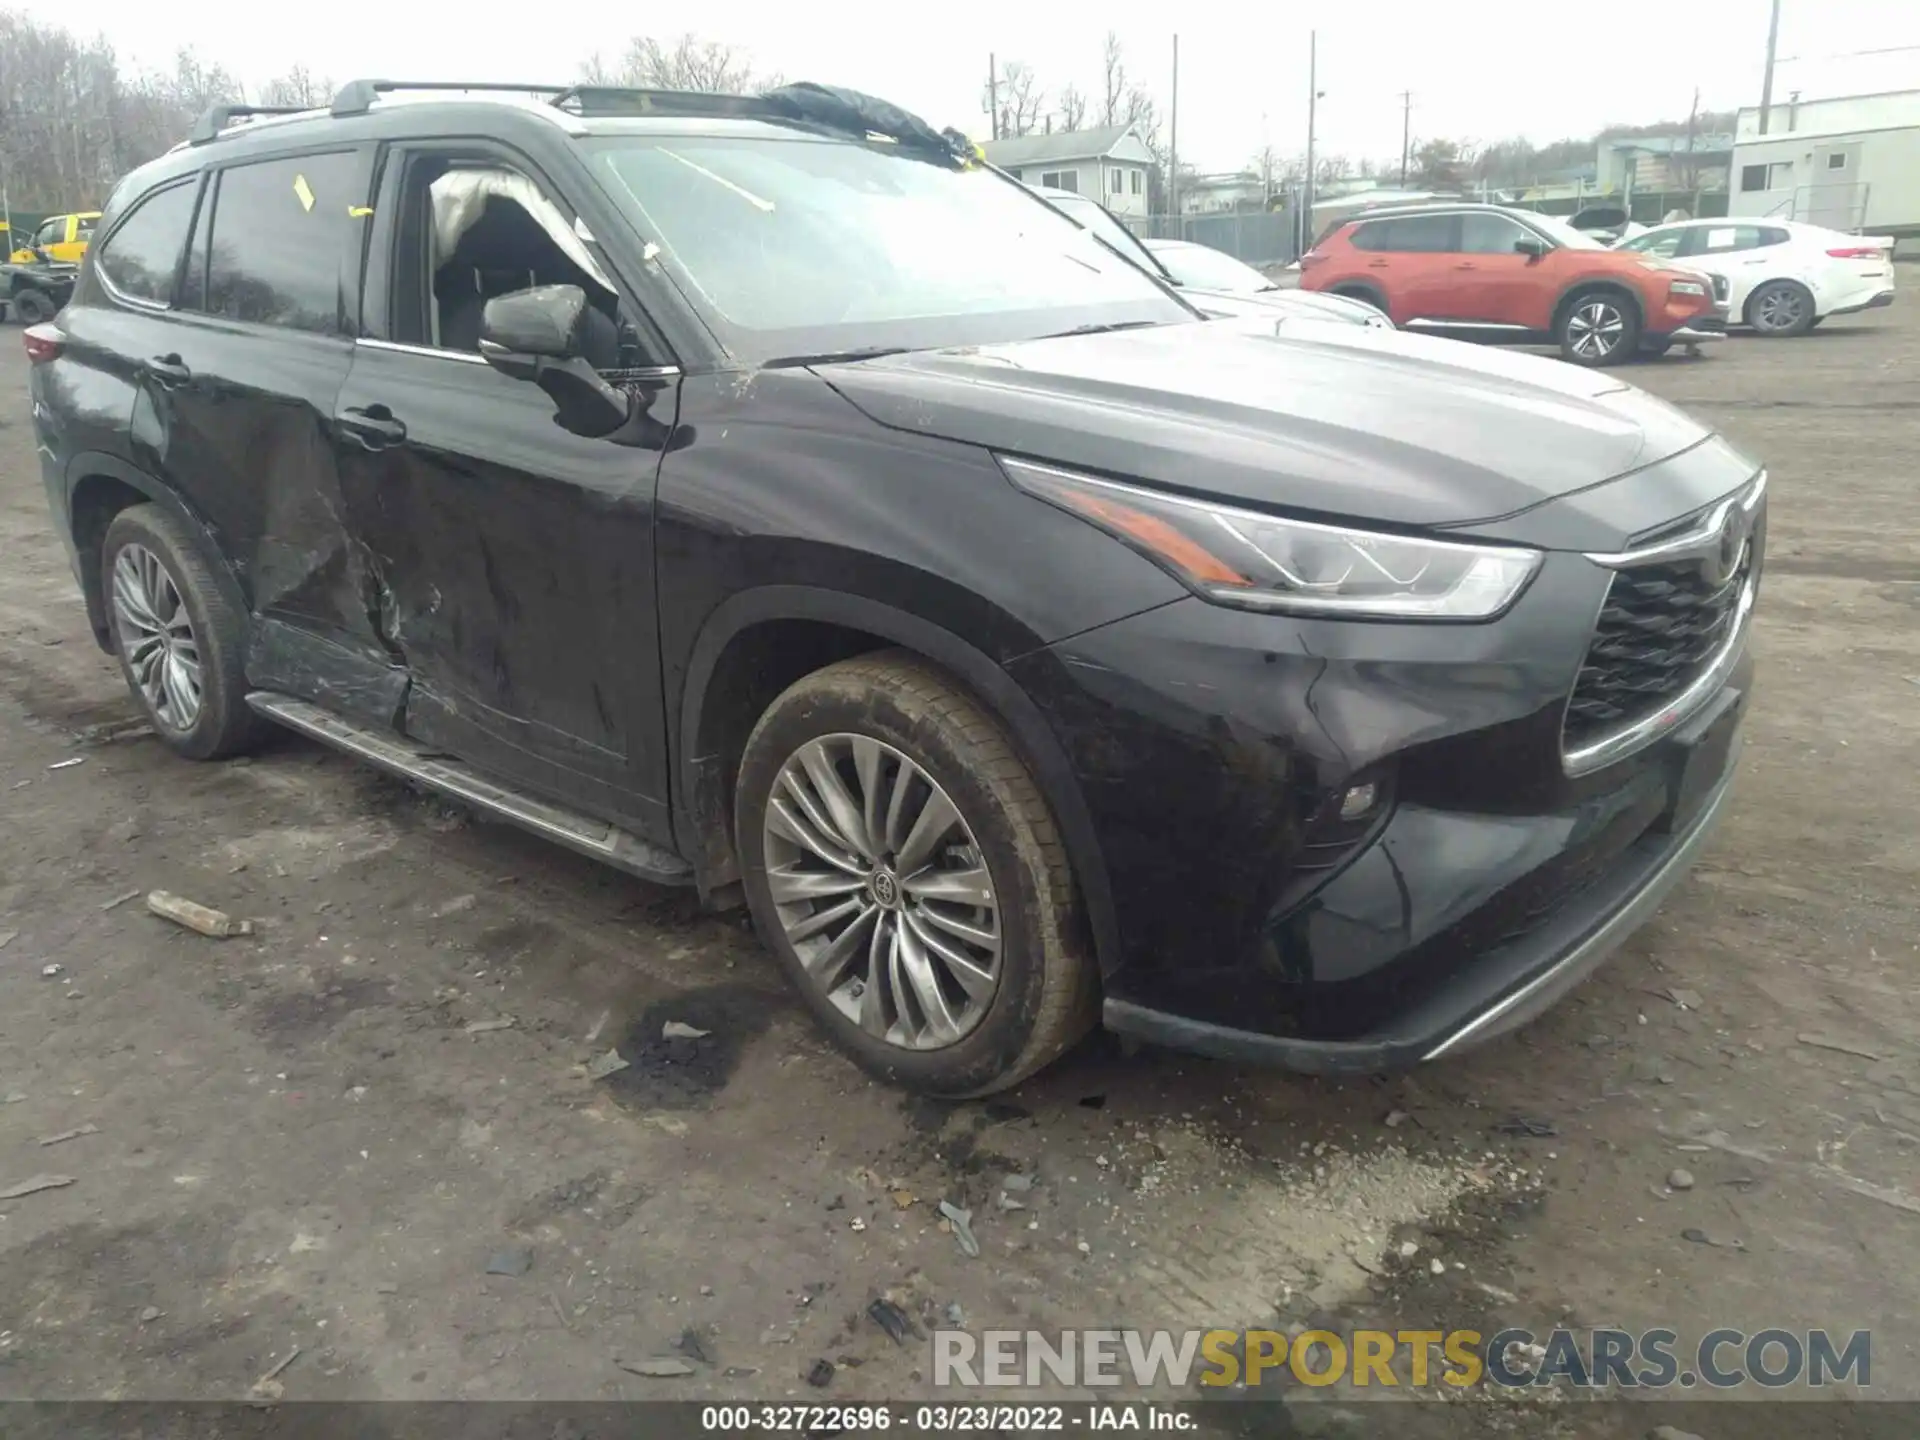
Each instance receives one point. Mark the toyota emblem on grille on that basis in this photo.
(1729, 549)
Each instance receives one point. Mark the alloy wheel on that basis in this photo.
(156, 637)
(1595, 329)
(1780, 308)
(883, 892)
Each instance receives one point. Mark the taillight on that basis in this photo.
(43, 342)
(1312, 257)
(1856, 252)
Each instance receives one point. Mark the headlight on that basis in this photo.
(1686, 287)
(1262, 562)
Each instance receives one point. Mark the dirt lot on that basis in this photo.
(316, 1136)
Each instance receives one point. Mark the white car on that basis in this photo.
(1783, 277)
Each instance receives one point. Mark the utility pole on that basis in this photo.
(1313, 98)
(1406, 133)
(993, 96)
(1766, 85)
(1173, 141)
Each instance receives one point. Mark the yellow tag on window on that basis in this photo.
(304, 191)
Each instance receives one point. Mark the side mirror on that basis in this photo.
(538, 335)
(1531, 245)
(545, 321)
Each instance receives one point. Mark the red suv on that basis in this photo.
(1480, 272)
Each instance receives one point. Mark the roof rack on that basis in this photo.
(356, 97)
(589, 100)
(218, 117)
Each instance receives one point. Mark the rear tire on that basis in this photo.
(182, 647)
(1781, 308)
(33, 306)
(958, 964)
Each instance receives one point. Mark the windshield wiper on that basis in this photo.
(1102, 329)
(835, 357)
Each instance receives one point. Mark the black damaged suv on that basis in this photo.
(767, 496)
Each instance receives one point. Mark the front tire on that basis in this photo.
(182, 647)
(1781, 308)
(903, 866)
(1597, 328)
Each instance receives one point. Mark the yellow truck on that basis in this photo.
(62, 237)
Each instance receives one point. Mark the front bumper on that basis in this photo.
(1505, 989)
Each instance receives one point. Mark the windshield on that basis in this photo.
(797, 245)
(1205, 268)
(1565, 234)
(1096, 218)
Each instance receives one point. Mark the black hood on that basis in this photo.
(1345, 421)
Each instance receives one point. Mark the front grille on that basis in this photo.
(1659, 630)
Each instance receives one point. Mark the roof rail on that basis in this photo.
(218, 117)
(356, 97)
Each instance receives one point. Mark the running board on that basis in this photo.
(400, 756)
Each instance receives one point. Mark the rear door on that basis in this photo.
(241, 391)
(515, 559)
(1410, 259)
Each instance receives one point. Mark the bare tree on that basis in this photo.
(1113, 81)
(1072, 108)
(297, 87)
(688, 63)
(1021, 99)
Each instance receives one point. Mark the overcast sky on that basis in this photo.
(1483, 69)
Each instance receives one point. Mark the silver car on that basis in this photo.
(1212, 281)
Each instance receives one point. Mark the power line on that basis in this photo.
(1849, 54)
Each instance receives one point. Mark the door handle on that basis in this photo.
(374, 426)
(1376, 264)
(1466, 265)
(169, 370)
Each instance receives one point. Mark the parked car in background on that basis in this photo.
(34, 291)
(1231, 291)
(1609, 224)
(1201, 267)
(1485, 272)
(1783, 276)
(62, 238)
(763, 496)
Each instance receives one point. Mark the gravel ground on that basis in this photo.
(329, 1133)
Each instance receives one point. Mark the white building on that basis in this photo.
(1851, 163)
(1215, 194)
(1109, 164)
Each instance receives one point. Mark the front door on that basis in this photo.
(1490, 282)
(514, 560)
